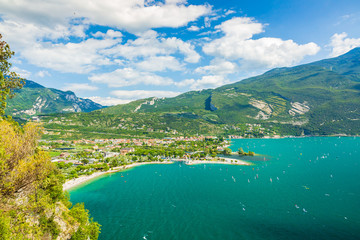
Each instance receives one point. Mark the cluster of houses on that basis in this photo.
(106, 147)
(138, 142)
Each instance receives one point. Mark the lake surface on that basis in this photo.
(307, 188)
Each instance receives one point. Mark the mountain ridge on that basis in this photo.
(320, 98)
(34, 99)
(293, 95)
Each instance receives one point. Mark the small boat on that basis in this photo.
(296, 206)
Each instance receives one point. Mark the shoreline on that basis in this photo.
(290, 136)
(83, 179)
(227, 162)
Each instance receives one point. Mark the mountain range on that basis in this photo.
(34, 99)
(319, 98)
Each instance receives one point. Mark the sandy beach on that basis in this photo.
(80, 180)
(228, 161)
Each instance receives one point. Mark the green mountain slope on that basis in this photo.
(319, 98)
(347, 64)
(34, 99)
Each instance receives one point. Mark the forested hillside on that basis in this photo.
(321, 98)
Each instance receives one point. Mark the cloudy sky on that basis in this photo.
(115, 51)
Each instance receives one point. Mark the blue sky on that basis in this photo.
(117, 51)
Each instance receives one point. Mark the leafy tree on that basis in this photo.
(9, 81)
(28, 176)
(250, 153)
(227, 151)
(31, 187)
(85, 161)
(241, 151)
(22, 164)
(88, 229)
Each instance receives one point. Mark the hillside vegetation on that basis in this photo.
(32, 202)
(320, 98)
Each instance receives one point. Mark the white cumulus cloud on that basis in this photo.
(22, 72)
(159, 64)
(218, 67)
(138, 94)
(79, 87)
(129, 76)
(238, 44)
(341, 44)
(193, 28)
(149, 44)
(108, 101)
(129, 15)
(43, 74)
(43, 32)
(208, 81)
(80, 57)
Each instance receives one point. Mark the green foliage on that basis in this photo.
(28, 177)
(88, 228)
(48, 225)
(4, 226)
(97, 124)
(22, 164)
(241, 151)
(9, 81)
(227, 151)
(26, 174)
(52, 185)
(79, 212)
(250, 153)
(158, 151)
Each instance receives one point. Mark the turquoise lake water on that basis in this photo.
(307, 188)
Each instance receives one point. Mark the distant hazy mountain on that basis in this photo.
(34, 99)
